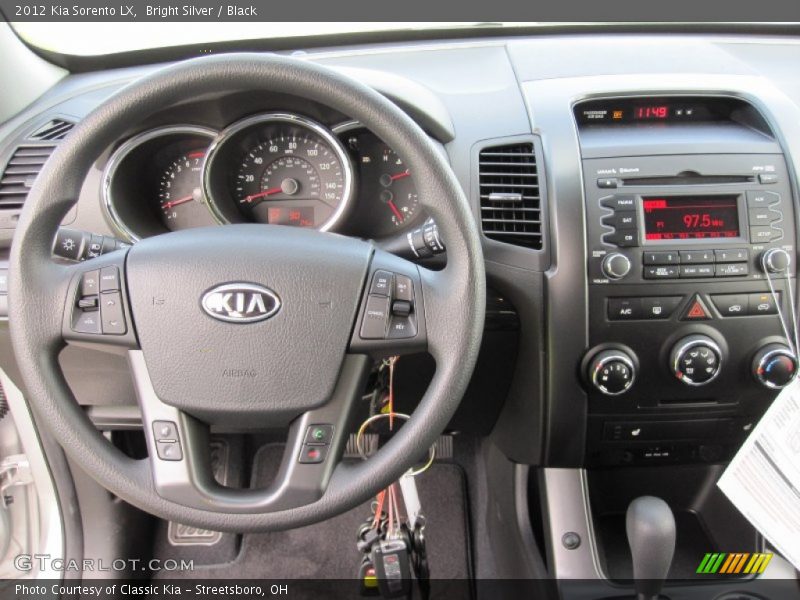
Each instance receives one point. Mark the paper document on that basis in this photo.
(763, 479)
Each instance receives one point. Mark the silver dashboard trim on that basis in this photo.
(282, 117)
(119, 156)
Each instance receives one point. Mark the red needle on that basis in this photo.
(263, 194)
(405, 173)
(396, 212)
(183, 200)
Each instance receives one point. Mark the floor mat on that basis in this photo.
(327, 550)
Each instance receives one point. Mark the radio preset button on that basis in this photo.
(732, 255)
(762, 199)
(731, 305)
(666, 272)
(732, 270)
(696, 257)
(623, 309)
(660, 258)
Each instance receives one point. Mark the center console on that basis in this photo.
(690, 241)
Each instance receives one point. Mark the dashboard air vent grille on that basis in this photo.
(20, 173)
(52, 131)
(509, 194)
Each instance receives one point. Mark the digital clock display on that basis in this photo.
(651, 112)
(690, 217)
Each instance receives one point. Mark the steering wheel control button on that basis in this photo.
(112, 314)
(90, 283)
(87, 322)
(403, 288)
(89, 303)
(376, 318)
(169, 450)
(109, 279)
(313, 454)
(381, 284)
(319, 434)
(696, 360)
(402, 328)
(401, 308)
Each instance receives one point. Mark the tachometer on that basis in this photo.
(180, 195)
(283, 169)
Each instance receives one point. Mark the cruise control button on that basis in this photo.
(732, 255)
(381, 283)
(376, 318)
(311, 454)
(731, 305)
(762, 304)
(112, 314)
(403, 288)
(661, 272)
(623, 309)
(169, 450)
(109, 279)
(660, 308)
(319, 434)
(732, 270)
(762, 199)
(660, 258)
(696, 257)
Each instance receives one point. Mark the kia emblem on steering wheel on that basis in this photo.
(240, 302)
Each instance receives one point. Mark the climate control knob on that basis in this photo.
(774, 366)
(612, 372)
(616, 266)
(775, 260)
(696, 360)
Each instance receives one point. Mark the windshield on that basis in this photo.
(92, 39)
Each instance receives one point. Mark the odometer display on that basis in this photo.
(283, 170)
(690, 217)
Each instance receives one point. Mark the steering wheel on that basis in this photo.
(245, 327)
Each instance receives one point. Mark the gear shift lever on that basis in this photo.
(650, 526)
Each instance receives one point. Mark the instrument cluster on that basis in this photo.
(276, 168)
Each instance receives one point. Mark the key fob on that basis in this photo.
(392, 568)
(368, 581)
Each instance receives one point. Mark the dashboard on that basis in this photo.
(279, 168)
(586, 217)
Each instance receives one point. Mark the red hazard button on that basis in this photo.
(697, 310)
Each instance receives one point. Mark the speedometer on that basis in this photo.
(280, 169)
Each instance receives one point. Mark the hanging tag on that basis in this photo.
(408, 488)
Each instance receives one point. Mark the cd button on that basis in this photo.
(625, 238)
(731, 305)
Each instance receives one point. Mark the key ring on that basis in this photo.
(378, 417)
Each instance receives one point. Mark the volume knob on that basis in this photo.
(616, 266)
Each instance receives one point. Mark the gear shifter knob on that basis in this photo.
(650, 526)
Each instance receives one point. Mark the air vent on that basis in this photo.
(510, 200)
(21, 171)
(52, 131)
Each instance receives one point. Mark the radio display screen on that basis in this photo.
(690, 217)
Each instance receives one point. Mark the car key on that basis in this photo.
(392, 568)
